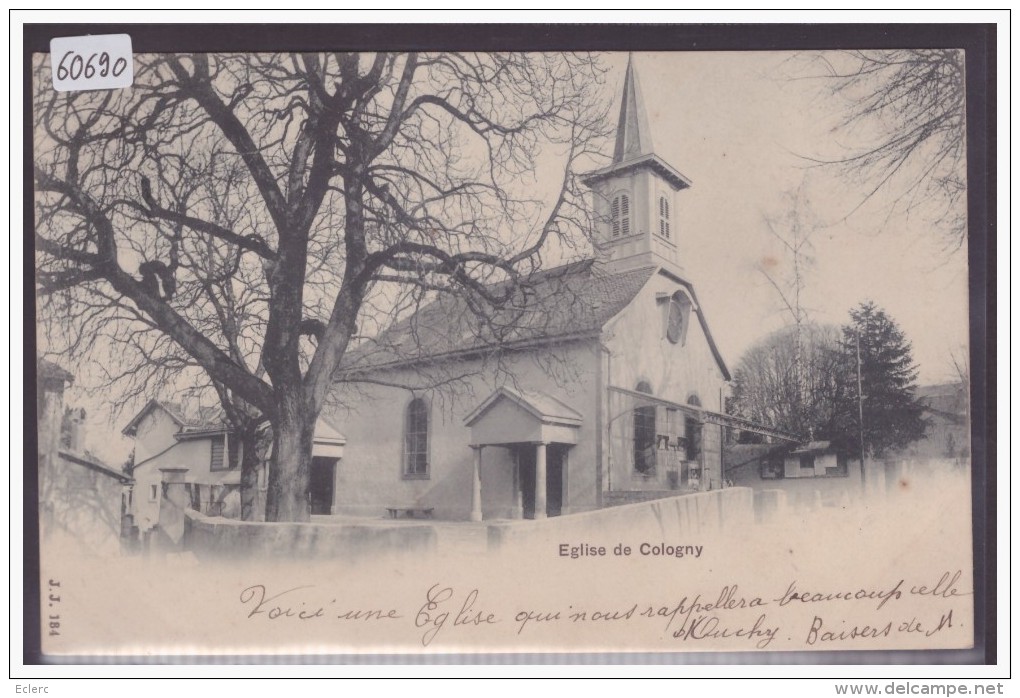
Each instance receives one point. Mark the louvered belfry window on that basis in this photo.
(620, 210)
(664, 217)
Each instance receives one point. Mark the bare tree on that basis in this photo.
(960, 360)
(791, 380)
(127, 358)
(903, 128)
(792, 230)
(345, 175)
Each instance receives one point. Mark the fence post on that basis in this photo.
(173, 504)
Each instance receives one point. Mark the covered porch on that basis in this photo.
(537, 431)
(663, 445)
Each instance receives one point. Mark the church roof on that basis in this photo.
(652, 162)
(716, 354)
(634, 149)
(633, 136)
(573, 300)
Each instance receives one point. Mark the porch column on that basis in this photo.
(540, 505)
(517, 504)
(476, 485)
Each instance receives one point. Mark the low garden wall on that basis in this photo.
(216, 537)
(670, 520)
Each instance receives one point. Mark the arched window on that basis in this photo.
(621, 215)
(692, 432)
(644, 434)
(664, 217)
(416, 439)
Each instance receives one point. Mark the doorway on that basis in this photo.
(555, 461)
(320, 484)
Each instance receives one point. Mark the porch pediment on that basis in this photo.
(511, 416)
(328, 442)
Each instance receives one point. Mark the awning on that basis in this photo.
(706, 416)
(328, 442)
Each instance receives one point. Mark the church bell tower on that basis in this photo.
(635, 197)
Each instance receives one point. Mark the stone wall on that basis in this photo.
(81, 507)
(617, 498)
(219, 538)
(689, 518)
(670, 520)
(812, 492)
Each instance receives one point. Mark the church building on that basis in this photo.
(605, 386)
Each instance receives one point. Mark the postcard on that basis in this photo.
(426, 351)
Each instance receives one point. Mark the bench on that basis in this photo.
(410, 512)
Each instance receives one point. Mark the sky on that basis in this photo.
(741, 129)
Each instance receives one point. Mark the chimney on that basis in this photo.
(50, 412)
(77, 428)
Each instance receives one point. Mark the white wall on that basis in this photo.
(154, 434)
(640, 351)
(644, 188)
(80, 507)
(155, 448)
(370, 477)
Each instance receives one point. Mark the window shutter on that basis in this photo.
(216, 458)
(663, 217)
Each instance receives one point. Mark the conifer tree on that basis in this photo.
(892, 414)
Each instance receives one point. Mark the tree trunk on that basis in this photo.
(250, 460)
(291, 465)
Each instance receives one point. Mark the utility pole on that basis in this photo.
(860, 410)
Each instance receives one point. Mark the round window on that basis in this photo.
(675, 328)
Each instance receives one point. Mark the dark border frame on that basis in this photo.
(979, 42)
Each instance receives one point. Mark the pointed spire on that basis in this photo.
(633, 137)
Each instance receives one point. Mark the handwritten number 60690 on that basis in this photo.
(78, 66)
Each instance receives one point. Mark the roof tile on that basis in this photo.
(572, 299)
